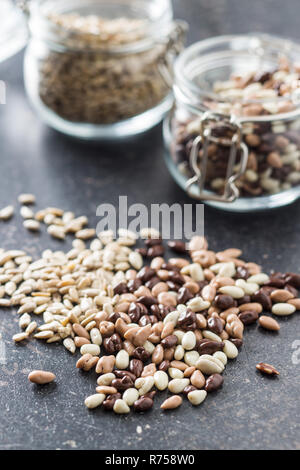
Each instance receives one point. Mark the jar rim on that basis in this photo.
(157, 13)
(202, 52)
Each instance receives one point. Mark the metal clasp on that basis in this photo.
(173, 46)
(208, 123)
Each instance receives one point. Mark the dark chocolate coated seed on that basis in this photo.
(237, 342)
(188, 389)
(184, 295)
(136, 310)
(156, 250)
(242, 273)
(214, 382)
(142, 251)
(121, 288)
(210, 347)
(164, 365)
(244, 300)
(136, 366)
(134, 284)
(169, 342)
(113, 317)
(262, 299)
(248, 317)
(144, 320)
(141, 353)
(147, 300)
(292, 290)
(215, 325)
(122, 384)
(177, 246)
(293, 279)
(143, 404)
(224, 301)
(152, 282)
(146, 273)
(125, 373)
(113, 344)
(187, 320)
(153, 241)
(110, 400)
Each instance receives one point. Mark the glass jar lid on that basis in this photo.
(13, 30)
(205, 64)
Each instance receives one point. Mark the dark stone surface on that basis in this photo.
(251, 411)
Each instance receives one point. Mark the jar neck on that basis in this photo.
(116, 26)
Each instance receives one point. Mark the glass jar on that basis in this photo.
(101, 69)
(13, 31)
(233, 136)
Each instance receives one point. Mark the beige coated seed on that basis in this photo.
(171, 403)
(41, 377)
(269, 323)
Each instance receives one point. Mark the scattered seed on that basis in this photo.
(266, 369)
(6, 213)
(171, 403)
(41, 377)
(32, 225)
(268, 323)
(26, 198)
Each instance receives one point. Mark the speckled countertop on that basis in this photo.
(251, 411)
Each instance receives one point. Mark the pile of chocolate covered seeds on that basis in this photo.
(166, 325)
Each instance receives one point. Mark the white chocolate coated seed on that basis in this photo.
(94, 400)
(147, 385)
(283, 309)
(196, 397)
(260, 278)
(178, 385)
(233, 291)
(191, 358)
(161, 380)
(106, 379)
(175, 373)
(179, 352)
(92, 349)
(96, 336)
(210, 335)
(122, 359)
(230, 349)
(121, 407)
(130, 396)
(188, 341)
(221, 356)
(209, 365)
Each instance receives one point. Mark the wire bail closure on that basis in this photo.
(174, 44)
(231, 192)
